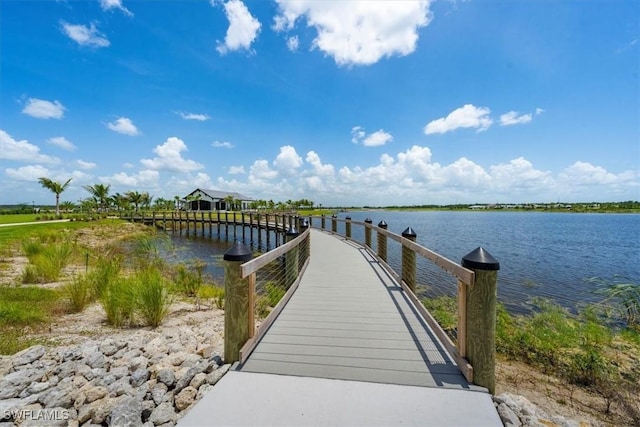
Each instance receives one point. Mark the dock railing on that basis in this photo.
(419, 270)
(275, 274)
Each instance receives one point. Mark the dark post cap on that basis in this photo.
(334, 216)
(292, 231)
(348, 218)
(368, 221)
(480, 259)
(238, 252)
(382, 224)
(409, 232)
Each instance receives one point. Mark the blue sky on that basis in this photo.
(343, 103)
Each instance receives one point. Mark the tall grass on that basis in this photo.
(153, 298)
(80, 293)
(46, 260)
(118, 299)
(106, 271)
(24, 307)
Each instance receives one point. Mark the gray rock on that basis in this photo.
(36, 388)
(109, 347)
(96, 360)
(204, 388)
(57, 397)
(119, 371)
(126, 413)
(215, 376)
(102, 408)
(508, 417)
(12, 384)
(158, 391)
(191, 360)
(120, 387)
(28, 355)
(164, 413)
(66, 369)
(198, 380)
(185, 398)
(140, 376)
(166, 376)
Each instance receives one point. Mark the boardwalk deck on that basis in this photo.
(348, 321)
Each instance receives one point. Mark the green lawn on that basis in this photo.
(15, 218)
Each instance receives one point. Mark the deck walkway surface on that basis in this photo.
(348, 349)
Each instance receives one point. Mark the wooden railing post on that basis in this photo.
(367, 233)
(304, 225)
(334, 223)
(291, 259)
(382, 242)
(347, 227)
(236, 302)
(322, 222)
(409, 260)
(481, 298)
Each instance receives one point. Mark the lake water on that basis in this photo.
(550, 255)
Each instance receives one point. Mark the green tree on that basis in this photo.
(67, 206)
(135, 197)
(100, 193)
(121, 201)
(146, 200)
(56, 188)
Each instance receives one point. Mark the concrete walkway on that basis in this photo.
(34, 222)
(348, 349)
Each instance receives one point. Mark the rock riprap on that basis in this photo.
(146, 379)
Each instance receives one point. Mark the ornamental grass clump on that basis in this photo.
(119, 300)
(46, 261)
(80, 293)
(153, 299)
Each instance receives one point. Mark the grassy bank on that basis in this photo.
(598, 349)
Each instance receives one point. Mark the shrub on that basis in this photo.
(31, 248)
(214, 293)
(105, 272)
(79, 292)
(187, 282)
(153, 297)
(118, 300)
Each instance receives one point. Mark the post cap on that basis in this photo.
(368, 221)
(238, 252)
(409, 232)
(292, 231)
(480, 259)
(334, 216)
(382, 224)
(304, 223)
(348, 218)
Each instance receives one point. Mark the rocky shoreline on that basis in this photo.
(149, 379)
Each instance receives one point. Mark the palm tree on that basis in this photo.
(146, 200)
(135, 198)
(230, 202)
(100, 192)
(56, 188)
(67, 206)
(121, 201)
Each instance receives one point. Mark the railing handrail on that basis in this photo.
(255, 264)
(459, 272)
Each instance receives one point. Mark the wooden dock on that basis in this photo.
(349, 347)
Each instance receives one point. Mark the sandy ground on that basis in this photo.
(548, 393)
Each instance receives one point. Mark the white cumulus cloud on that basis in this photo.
(375, 139)
(115, 4)
(124, 126)
(62, 142)
(514, 118)
(260, 170)
(358, 32)
(236, 170)
(85, 36)
(11, 149)
(222, 144)
(42, 109)
(293, 43)
(287, 160)
(85, 165)
(193, 116)
(169, 157)
(27, 173)
(142, 179)
(467, 116)
(243, 27)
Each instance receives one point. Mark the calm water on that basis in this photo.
(552, 255)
